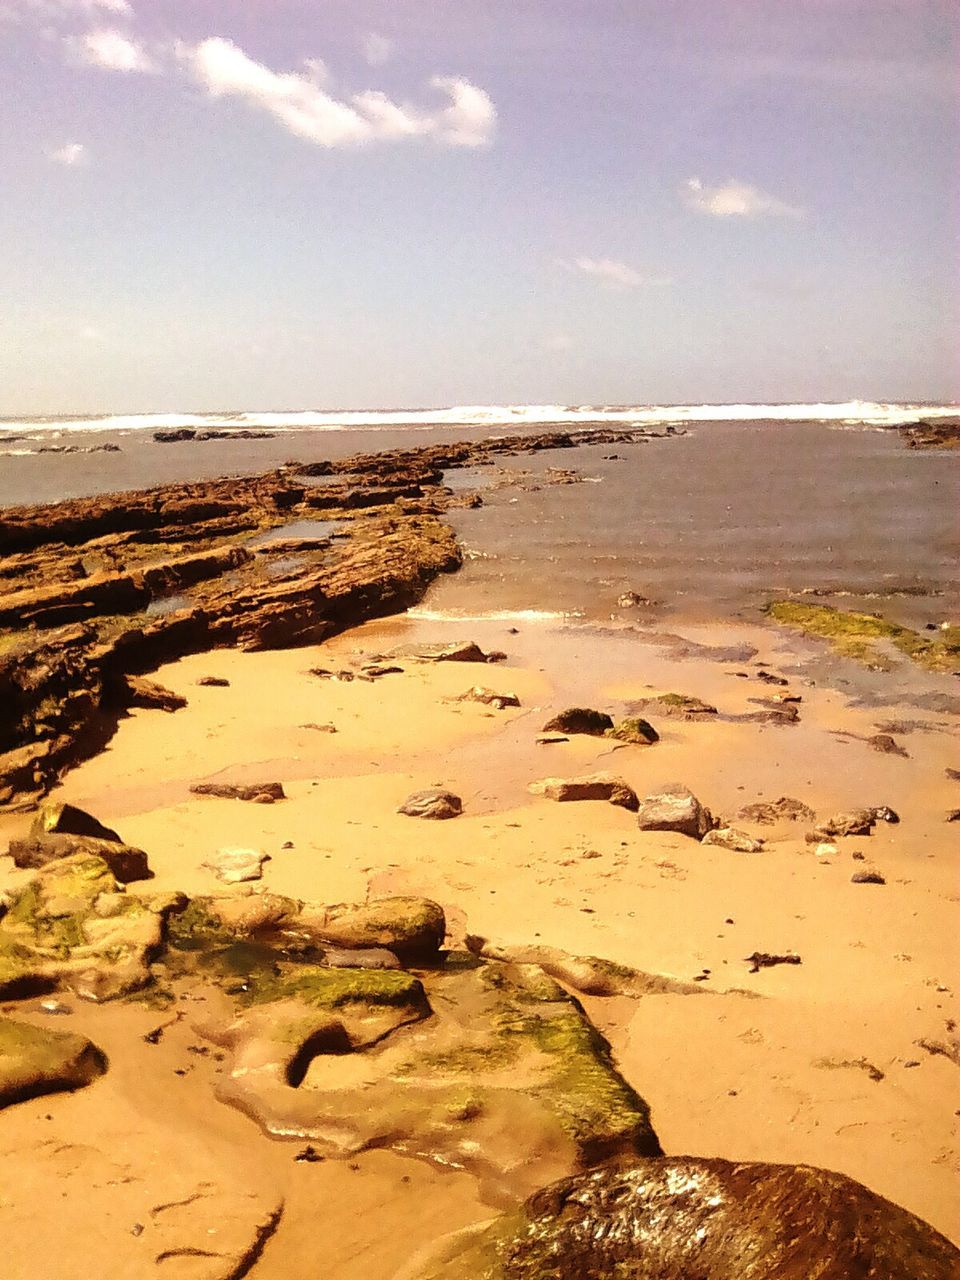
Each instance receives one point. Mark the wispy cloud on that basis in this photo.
(73, 155)
(378, 49)
(113, 51)
(52, 10)
(305, 109)
(733, 199)
(613, 274)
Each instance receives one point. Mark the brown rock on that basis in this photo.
(433, 803)
(594, 786)
(768, 813)
(580, 720)
(260, 792)
(125, 862)
(888, 745)
(147, 693)
(732, 839)
(675, 808)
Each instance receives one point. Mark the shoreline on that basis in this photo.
(824, 1065)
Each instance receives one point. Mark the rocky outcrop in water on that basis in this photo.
(96, 590)
(690, 1219)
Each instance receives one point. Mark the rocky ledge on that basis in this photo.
(96, 590)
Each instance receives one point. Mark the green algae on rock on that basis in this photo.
(35, 1061)
(74, 927)
(673, 1219)
(862, 636)
(634, 729)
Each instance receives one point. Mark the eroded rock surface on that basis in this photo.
(732, 839)
(593, 786)
(690, 1219)
(433, 803)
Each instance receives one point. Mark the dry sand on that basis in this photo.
(783, 1078)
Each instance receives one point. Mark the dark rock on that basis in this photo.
(677, 706)
(769, 813)
(459, 651)
(699, 1219)
(953, 815)
(767, 960)
(869, 875)
(213, 682)
(125, 862)
(883, 813)
(432, 804)
(147, 693)
(320, 728)
(768, 678)
(580, 720)
(174, 435)
(675, 808)
(260, 792)
(58, 819)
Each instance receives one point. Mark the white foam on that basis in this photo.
(849, 413)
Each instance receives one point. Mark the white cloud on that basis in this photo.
(734, 199)
(72, 156)
(113, 51)
(613, 274)
(53, 9)
(378, 49)
(306, 110)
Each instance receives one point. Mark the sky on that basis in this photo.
(282, 204)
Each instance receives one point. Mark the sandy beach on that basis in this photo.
(847, 1060)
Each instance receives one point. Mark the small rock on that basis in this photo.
(580, 720)
(769, 678)
(361, 958)
(436, 804)
(235, 865)
(883, 813)
(213, 682)
(320, 728)
(489, 698)
(732, 839)
(595, 786)
(261, 792)
(634, 729)
(826, 850)
(857, 822)
(675, 808)
(888, 745)
(765, 960)
(953, 815)
(56, 1008)
(147, 693)
(769, 813)
(631, 600)
(867, 875)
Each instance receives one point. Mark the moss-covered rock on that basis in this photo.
(73, 927)
(580, 720)
(635, 729)
(678, 706)
(35, 1060)
(865, 638)
(675, 1219)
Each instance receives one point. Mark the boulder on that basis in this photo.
(675, 808)
(491, 699)
(433, 803)
(125, 862)
(634, 729)
(141, 692)
(594, 786)
(732, 839)
(235, 865)
(35, 1061)
(580, 720)
(676, 1219)
(770, 812)
(259, 792)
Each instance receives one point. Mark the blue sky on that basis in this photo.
(281, 203)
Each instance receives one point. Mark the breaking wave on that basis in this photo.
(850, 413)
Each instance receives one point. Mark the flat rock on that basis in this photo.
(887, 745)
(675, 808)
(580, 720)
(732, 839)
(678, 706)
(258, 792)
(489, 697)
(432, 803)
(770, 812)
(234, 865)
(458, 651)
(141, 692)
(634, 729)
(676, 1219)
(594, 786)
(856, 822)
(412, 928)
(35, 1061)
(213, 682)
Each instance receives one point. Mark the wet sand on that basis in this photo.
(783, 1078)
